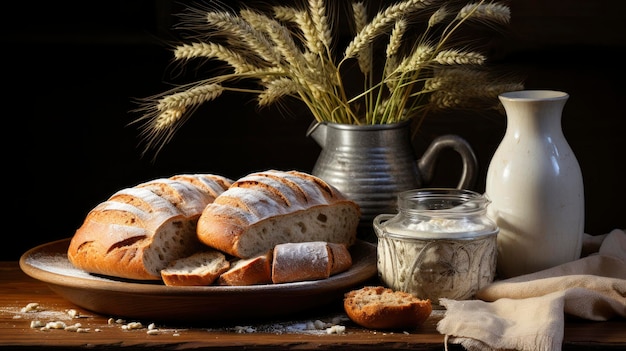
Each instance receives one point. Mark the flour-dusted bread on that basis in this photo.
(200, 269)
(295, 262)
(138, 231)
(249, 271)
(377, 307)
(268, 208)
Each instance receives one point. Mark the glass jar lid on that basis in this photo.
(440, 213)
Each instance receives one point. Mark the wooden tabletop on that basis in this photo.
(93, 331)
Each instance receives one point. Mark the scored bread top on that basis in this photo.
(267, 208)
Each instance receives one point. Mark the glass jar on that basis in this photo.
(440, 244)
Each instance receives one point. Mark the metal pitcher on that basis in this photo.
(372, 164)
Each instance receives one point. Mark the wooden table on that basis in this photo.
(17, 290)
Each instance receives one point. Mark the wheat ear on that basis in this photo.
(190, 97)
(213, 50)
(458, 57)
(234, 26)
(438, 16)
(364, 56)
(320, 22)
(492, 11)
(285, 13)
(275, 89)
(380, 23)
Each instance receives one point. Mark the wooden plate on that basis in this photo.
(157, 302)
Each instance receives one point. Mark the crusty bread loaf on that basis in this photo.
(249, 271)
(138, 231)
(294, 262)
(377, 307)
(201, 268)
(268, 208)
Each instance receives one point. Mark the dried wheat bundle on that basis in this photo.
(290, 52)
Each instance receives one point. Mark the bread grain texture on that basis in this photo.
(268, 208)
(377, 307)
(138, 231)
(295, 262)
(200, 269)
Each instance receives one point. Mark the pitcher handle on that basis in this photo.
(427, 162)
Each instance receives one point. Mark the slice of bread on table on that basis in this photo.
(377, 307)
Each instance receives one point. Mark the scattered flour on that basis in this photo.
(46, 319)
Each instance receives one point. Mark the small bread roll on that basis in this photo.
(377, 307)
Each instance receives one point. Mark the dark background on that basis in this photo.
(71, 69)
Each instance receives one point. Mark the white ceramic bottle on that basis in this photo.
(535, 186)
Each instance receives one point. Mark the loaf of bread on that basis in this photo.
(249, 271)
(264, 209)
(295, 262)
(201, 268)
(377, 307)
(138, 231)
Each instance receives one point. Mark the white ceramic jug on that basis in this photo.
(535, 186)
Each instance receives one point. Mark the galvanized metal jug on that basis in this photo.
(372, 164)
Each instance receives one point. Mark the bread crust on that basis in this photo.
(139, 230)
(294, 262)
(264, 209)
(341, 258)
(313, 260)
(250, 271)
(377, 307)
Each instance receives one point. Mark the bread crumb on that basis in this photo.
(132, 325)
(73, 313)
(37, 324)
(336, 329)
(56, 325)
(31, 307)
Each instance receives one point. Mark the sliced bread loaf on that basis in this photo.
(268, 208)
(138, 231)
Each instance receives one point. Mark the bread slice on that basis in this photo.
(340, 257)
(377, 307)
(138, 231)
(199, 269)
(294, 262)
(268, 208)
(249, 271)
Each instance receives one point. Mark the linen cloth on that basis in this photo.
(528, 312)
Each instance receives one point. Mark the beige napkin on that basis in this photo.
(528, 312)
